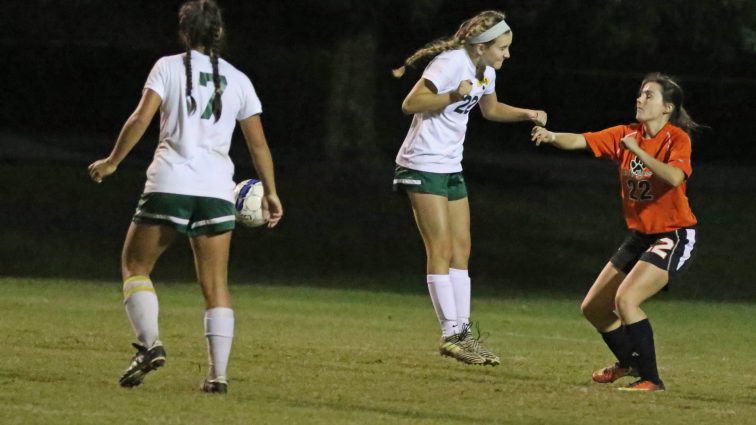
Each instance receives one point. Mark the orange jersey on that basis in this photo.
(650, 204)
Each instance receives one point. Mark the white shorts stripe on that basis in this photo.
(215, 220)
(407, 181)
(691, 236)
(176, 220)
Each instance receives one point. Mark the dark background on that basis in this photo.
(72, 72)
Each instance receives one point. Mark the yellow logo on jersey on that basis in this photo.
(483, 81)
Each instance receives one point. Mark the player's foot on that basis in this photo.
(644, 386)
(452, 346)
(612, 373)
(143, 362)
(472, 343)
(218, 385)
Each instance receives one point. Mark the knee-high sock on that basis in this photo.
(642, 337)
(442, 296)
(460, 280)
(141, 304)
(619, 342)
(219, 332)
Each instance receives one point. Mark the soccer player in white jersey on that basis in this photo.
(189, 186)
(429, 164)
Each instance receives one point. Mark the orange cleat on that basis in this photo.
(643, 386)
(612, 373)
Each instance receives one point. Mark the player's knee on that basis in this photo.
(134, 268)
(624, 303)
(589, 309)
(440, 252)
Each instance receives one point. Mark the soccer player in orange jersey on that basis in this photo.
(654, 166)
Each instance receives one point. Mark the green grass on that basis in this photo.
(324, 356)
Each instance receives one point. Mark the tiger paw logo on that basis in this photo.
(636, 167)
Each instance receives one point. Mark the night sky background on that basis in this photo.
(76, 68)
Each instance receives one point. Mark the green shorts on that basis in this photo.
(450, 185)
(192, 215)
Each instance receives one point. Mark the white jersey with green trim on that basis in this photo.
(192, 155)
(434, 142)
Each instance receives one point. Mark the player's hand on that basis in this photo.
(272, 207)
(538, 117)
(540, 135)
(464, 88)
(101, 168)
(630, 142)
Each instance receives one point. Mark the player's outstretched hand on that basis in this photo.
(100, 169)
(538, 117)
(540, 135)
(275, 209)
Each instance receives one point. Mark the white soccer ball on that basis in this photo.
(249, 203)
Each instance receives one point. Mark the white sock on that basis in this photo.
(460, 281)
(141, 304)
(442, 296)
(219, 332)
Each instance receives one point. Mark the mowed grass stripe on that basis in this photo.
(322, 356)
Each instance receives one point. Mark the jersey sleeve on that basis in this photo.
(490, 81)
(605, 143)
(157, 81)
(250, 103)
(442, 72)
(679, 153)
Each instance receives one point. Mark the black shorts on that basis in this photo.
(672, 251)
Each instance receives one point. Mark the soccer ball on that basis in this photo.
(248, 205)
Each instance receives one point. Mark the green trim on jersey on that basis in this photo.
(191, 215)
(449, 185)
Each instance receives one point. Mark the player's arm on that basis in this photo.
(493, 110)
(668, 173)
(131, 133)
(424, 97)
(262, 160)
(564, 141)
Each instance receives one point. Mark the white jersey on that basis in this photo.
(434, 140)
(192, 156)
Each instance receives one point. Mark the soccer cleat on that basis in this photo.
(471, 343)
(218, 385)
(644, 386)
(143, 362)
(612, 373)
(452, 346)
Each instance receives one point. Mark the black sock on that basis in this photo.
(642, 337)
(620, 344)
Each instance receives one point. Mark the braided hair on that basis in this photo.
(201, 25)
(469, 29)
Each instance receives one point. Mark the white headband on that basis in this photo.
(490, 33)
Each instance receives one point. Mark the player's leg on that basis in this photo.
(598, 308)
(667, 256)
(210, 232)
(643, 282)
(144, 244)
(432, 217)
(211, 254)
(459, 222)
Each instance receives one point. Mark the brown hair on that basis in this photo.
(469, 29)
(201, 24)
(672, 93)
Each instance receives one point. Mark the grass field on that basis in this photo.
(324, 356)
